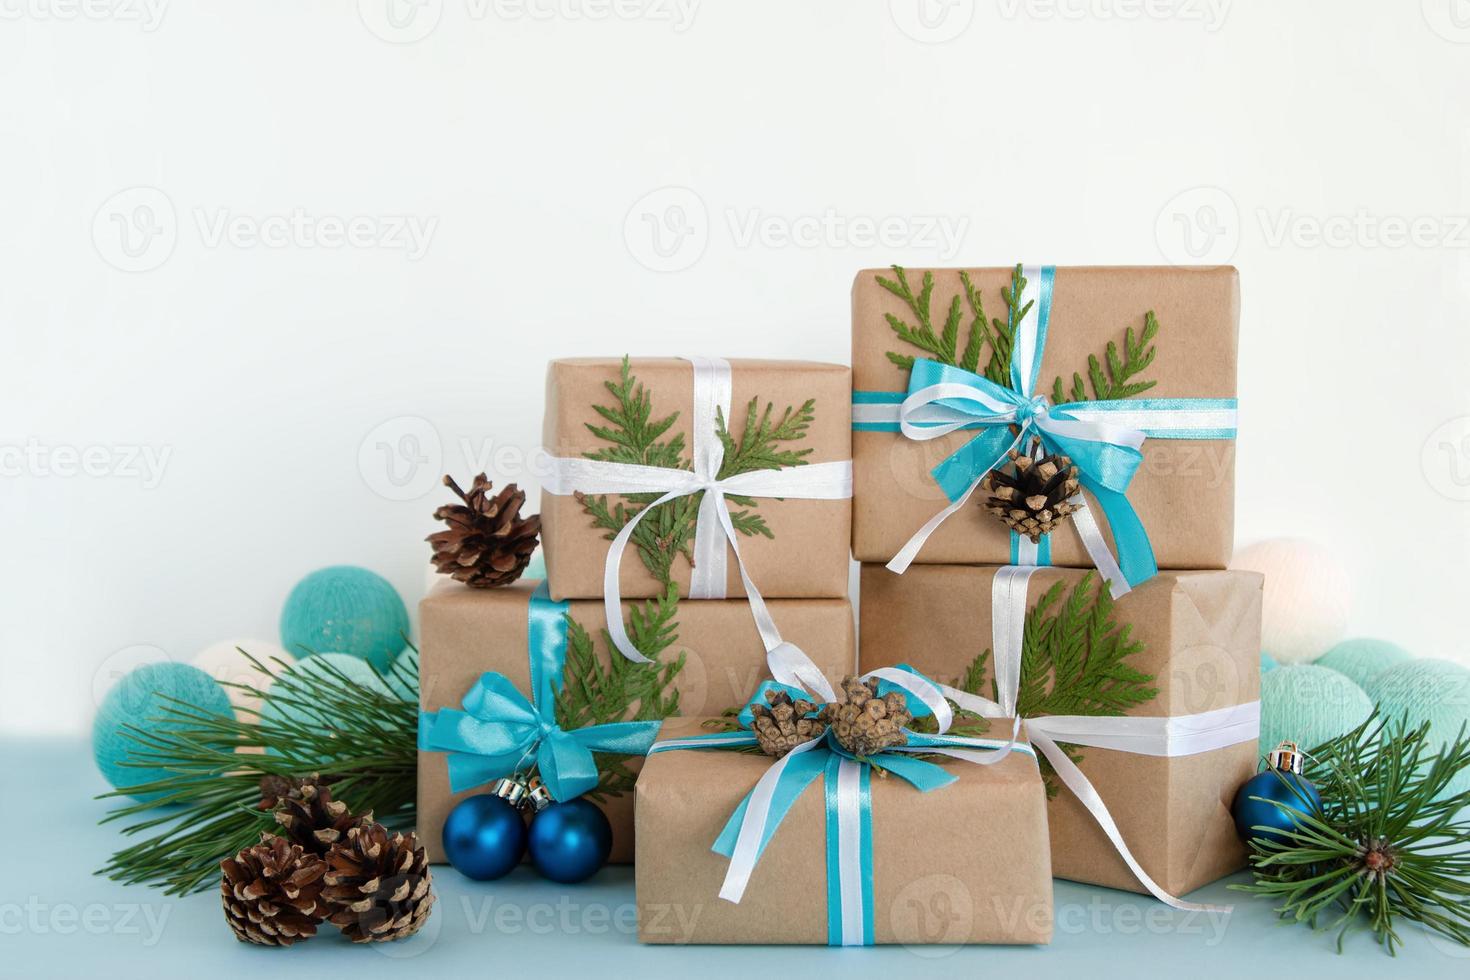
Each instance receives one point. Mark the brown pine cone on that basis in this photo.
(488, 543)
(865, 724)
(378, 884)
(784, 725)
(1036, 497)
(272, 892)
(310, 817)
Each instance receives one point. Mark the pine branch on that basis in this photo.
(1116, 381)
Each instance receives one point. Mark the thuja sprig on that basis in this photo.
(1074, 661)
(636, 436)
(596, 694)
(361, 736)
(1391, 841)
(1116, 381)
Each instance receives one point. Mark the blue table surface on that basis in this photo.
(58, 920)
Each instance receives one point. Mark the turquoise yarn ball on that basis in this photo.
(1268, 662)
(1309, 705)
(345, 609)
(403, 677)
(138, 700)
(318, 665)
(1363, 657)
(1433, 691)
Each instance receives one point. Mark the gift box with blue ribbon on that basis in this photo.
(1129, 372)
(492, 662)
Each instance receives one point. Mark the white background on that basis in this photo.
(283, 377)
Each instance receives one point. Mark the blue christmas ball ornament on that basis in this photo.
(484, 837)
(1283, 782)
(139, 700)
(570, 841)
(344, 609)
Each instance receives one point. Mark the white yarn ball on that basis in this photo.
(1307, 597)
(226, 664)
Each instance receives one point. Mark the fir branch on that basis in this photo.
(1074, 661)
(1391, 842)
(362, 737)
(1116, 381)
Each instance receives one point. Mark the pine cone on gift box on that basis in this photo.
(272, 892)
(784, 725)
(378, 884)
(1035, 498)
(310, 817)
(488, 543)
(864, 723)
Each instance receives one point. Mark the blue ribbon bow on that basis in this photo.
(500, 729)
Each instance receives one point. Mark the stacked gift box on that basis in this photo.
(1043, 459)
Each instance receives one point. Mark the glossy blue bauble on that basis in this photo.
(484, 837)
(570, 841)
(1286, 788)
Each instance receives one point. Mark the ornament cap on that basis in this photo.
(1287, 757)
(538, 797)
(511, 789)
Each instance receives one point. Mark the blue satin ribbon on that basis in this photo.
(826, 761)
(500, 730)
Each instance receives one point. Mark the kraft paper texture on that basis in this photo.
(1201, 633)
(466, 632)
(967, 863)
(808, 555)
(1184, 491)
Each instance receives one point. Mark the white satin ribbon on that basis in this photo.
(815, 481)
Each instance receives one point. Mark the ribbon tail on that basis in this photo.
(1135, 554)
(612, 598)
(762, 812)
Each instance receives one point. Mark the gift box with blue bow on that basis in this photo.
(940, 839)
(1129, 372)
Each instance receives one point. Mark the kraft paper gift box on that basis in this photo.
(1183, 490)
(466, 632)
(963, 863)
(1200, 635)
(805, 554)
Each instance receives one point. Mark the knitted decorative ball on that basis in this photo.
(1307, 596)
(345, 609)
(1309, 705)
(1268, 662)
(225, 663)
(1364, 657)
(403, 676)
(1433, 691)
(138, 700)
(322, 665)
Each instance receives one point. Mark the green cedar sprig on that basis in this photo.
(1074, 661)
(1391, 841)
(1138, 354)
(636, 436)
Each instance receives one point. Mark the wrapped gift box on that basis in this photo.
(804, 555)
(1200, 635)
(965, 863)
(1183, 491)
(467, 632)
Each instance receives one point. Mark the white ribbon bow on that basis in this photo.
(815, 481)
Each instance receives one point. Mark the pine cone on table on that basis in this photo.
(310, 817)
(864, 723)
(1035, 498)
(378, 884)
(488, 543)
(784, 725)
(271, 892)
